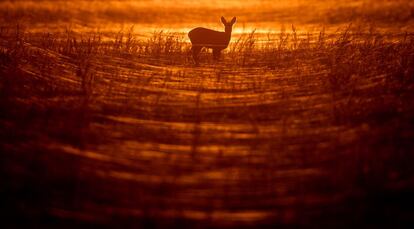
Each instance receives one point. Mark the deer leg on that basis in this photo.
(196, 50)
(216, 54)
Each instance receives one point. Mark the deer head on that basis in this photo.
(228, 25)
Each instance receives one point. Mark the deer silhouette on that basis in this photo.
(202, 37)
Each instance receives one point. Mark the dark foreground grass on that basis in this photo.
(288, 130)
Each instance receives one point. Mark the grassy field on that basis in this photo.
(291, 128)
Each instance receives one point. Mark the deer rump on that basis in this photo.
(208, 38)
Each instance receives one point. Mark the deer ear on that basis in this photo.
(223, 20)
(233, 20)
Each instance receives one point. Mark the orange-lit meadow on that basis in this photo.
(306, 121)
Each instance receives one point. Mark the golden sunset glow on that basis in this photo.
(207, 114)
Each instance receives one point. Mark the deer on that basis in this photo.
(202, 37)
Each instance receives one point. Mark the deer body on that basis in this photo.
(202, 37)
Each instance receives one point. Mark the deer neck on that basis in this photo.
(227, 33)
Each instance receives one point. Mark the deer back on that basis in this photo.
(207, 37)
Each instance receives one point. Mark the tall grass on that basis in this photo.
(350, 53)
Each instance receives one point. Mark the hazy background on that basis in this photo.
(179, 16)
